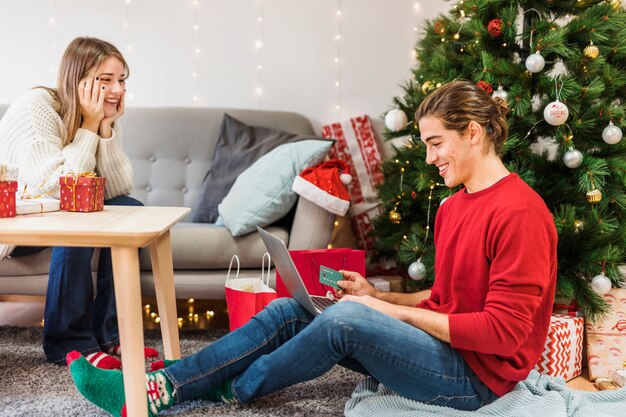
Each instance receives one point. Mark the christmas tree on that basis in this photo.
(561, 67)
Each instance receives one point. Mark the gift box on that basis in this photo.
(82, 193)
(562, 354)
(606, 338)
(7, 198)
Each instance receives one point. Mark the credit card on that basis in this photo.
(330, 277)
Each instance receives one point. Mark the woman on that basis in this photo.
(74, 128)
(463, 344)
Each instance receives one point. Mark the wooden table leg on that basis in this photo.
(163, 274)
(129, 319)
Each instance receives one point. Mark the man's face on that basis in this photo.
(447, 150)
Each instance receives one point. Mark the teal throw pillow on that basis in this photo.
(262, 193)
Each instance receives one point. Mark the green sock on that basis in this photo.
(105, 388)
(223, 393)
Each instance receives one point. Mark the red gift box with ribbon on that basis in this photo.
(83, 192)
(563, 351)
(7, 198)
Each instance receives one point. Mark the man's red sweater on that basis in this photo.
(495, 276)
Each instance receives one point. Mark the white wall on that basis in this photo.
(297, 57)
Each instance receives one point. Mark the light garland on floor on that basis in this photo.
(196, 52)
(259, 45)
(338, 61)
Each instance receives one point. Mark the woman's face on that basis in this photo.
(113, 79)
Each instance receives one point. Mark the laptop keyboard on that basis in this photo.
(322, 302)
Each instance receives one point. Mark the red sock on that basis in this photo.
(148, 352)
(103, 361)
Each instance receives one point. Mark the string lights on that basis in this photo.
(52, 23)
(129, 48)
(338, 61)
(258, 46)
(196, 52)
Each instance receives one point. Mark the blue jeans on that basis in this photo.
(284, 345)
(73, 318)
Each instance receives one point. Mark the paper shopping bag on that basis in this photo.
(308, 263)
(247, 296)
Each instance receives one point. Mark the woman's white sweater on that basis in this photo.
(31, 136)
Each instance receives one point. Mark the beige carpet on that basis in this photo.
(29, 386)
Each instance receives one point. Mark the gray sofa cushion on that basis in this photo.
(238, 147)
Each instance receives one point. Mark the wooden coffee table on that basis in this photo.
(124, 229)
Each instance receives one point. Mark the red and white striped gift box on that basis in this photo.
(562, 355)
(356, 145)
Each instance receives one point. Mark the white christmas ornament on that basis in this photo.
(612, 134)
(573, 158)
(396, 120)
(417, 270)
(502, 93)
(535, 62)
(601, 284)
(556, 113)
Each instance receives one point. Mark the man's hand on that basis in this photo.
(91, 101)
(353, 283)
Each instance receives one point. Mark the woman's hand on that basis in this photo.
(106, 125)
(353, 283)
(91, 100)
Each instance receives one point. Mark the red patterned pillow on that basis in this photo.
(356, 145)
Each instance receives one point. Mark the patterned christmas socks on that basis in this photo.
(103, 361)
(155, 366)
(148, 352)
(105, 388)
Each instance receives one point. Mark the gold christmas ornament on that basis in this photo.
(427, 87)
(616, 4)
(594, 196)
(591, 51)
(395, 217)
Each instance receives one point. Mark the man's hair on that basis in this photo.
(81, 57)
(460, 102)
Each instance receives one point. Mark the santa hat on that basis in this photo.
(325, 185)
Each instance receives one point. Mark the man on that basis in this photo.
(463, 344)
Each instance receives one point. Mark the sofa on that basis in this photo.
(171, 150)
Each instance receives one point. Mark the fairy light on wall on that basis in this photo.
(258, 46)
(196, 52)
(52, 23)
(338, 60)
(126, 26)
(417, 11)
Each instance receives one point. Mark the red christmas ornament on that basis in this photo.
(438, 27)
(495, 27)
(485, 86)
(413, 195)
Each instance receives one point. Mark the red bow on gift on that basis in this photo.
(571, 308)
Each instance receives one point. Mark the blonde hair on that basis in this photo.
(82, 56)
(458, 103)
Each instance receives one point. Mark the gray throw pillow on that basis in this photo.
(238, 147)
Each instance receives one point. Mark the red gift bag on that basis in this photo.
(247, 296)
(308, 264)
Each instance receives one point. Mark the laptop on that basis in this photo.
(314, 304)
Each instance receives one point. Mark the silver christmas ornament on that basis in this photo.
(502, 93)
(417, 270)
(396, 120)
(573, 158)
(535, 62)
(612, 134)
(556, 113)
(601, 284)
